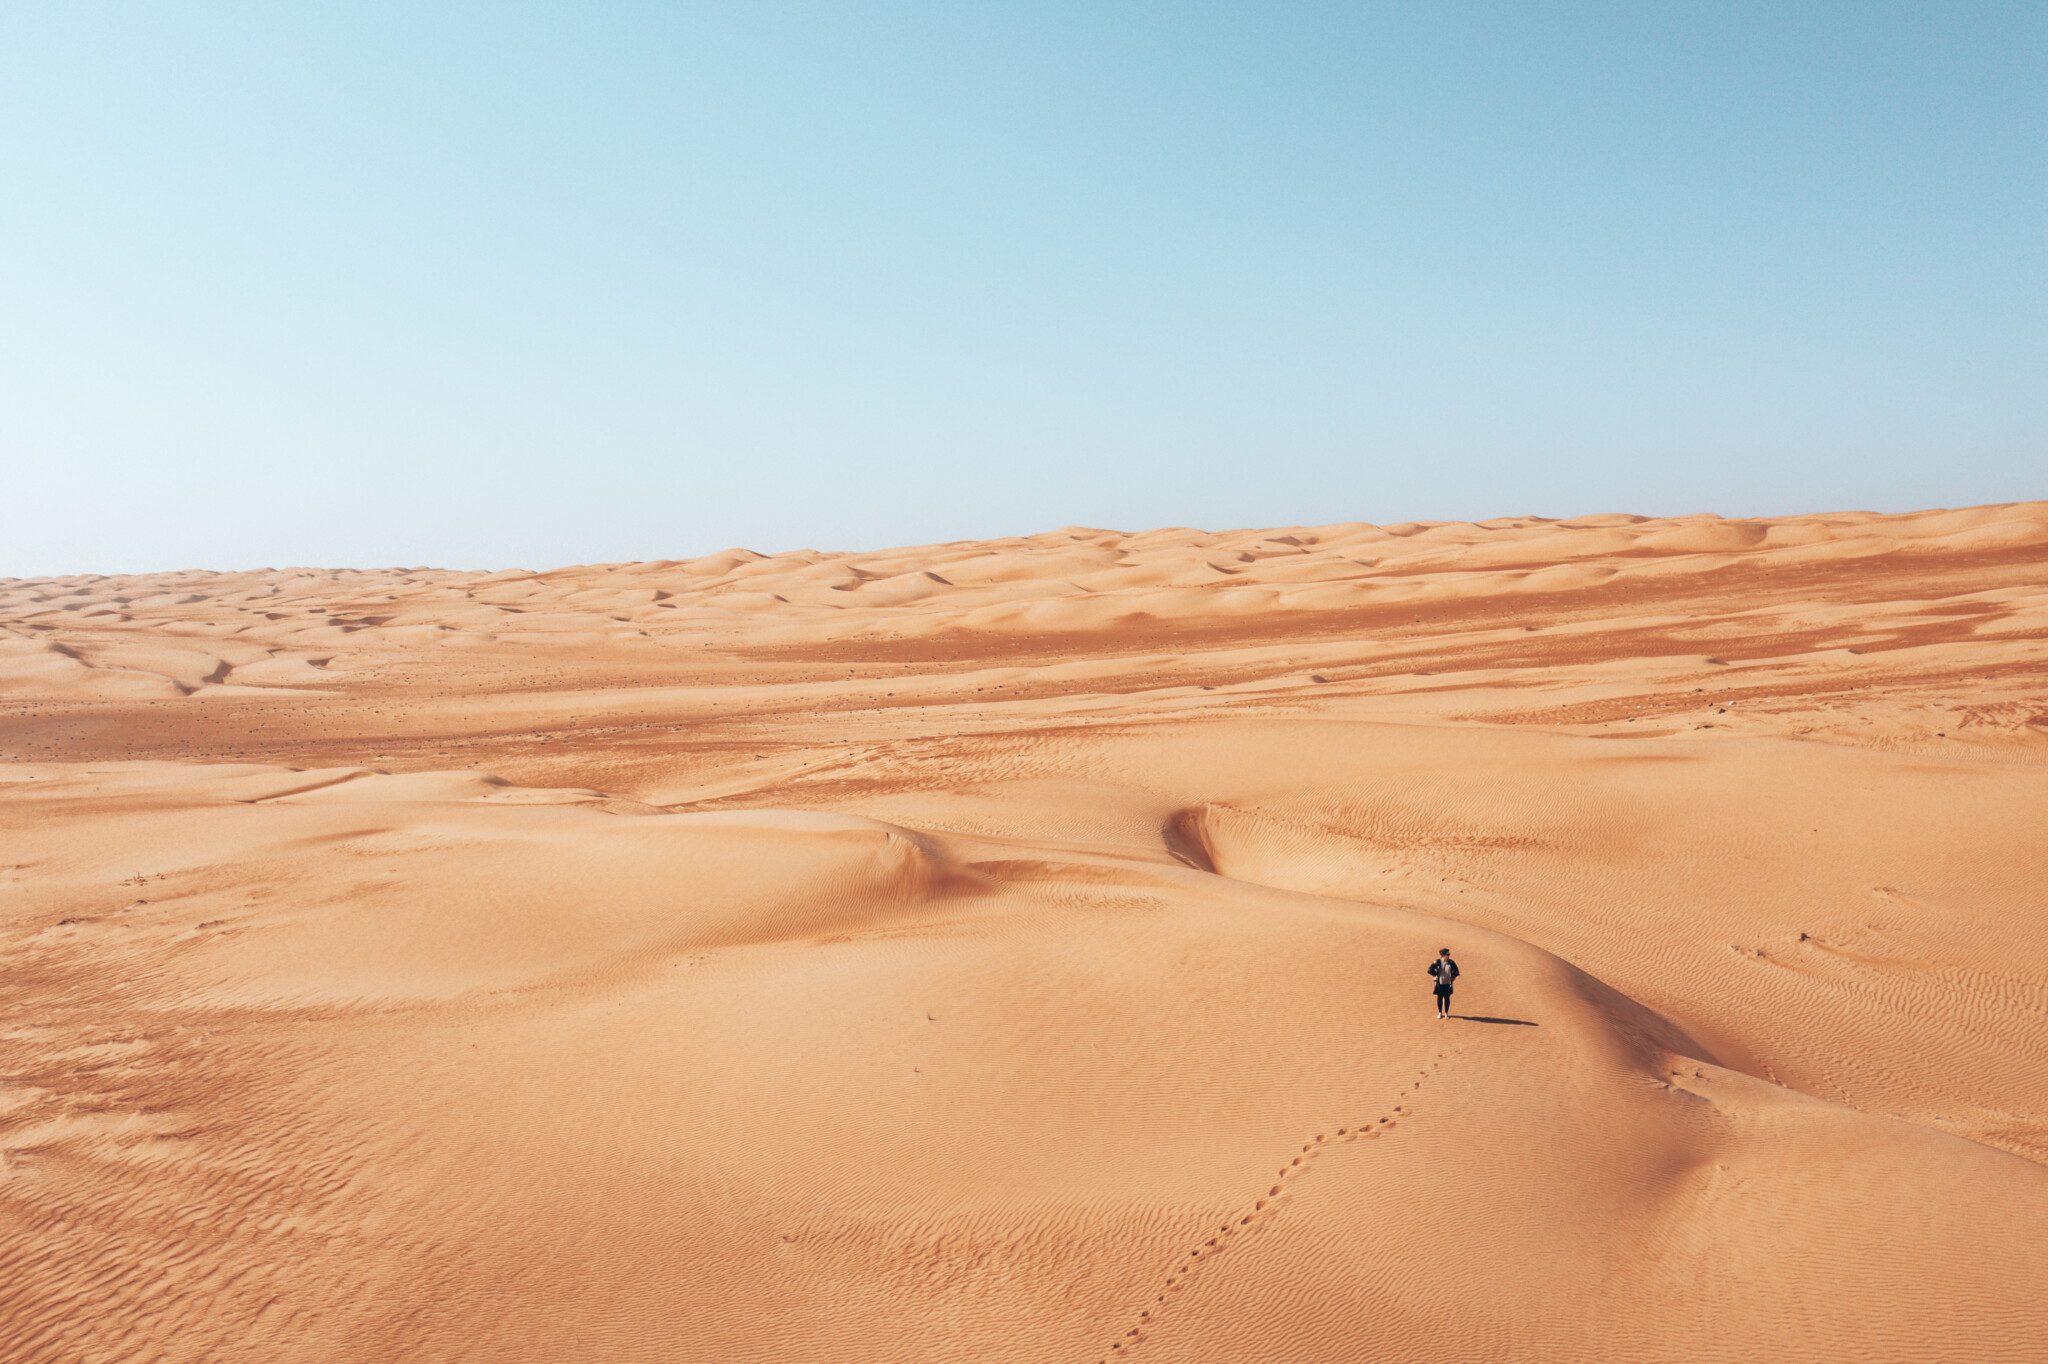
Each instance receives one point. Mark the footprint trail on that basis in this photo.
(1250, 1216)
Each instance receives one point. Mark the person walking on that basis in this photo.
(1445, 970)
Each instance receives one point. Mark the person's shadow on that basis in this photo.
(1511, 1022)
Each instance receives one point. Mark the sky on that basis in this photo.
(509, 284)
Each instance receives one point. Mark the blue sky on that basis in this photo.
(508, 284)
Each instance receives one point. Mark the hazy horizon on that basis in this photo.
(883, 549)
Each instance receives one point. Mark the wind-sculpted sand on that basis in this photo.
(1014, 951)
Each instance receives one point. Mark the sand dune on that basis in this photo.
(1014, 951)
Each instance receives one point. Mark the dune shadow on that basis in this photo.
(1513, 1022)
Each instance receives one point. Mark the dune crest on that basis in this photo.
(1014, 951)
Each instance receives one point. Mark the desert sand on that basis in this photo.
(1014, 951)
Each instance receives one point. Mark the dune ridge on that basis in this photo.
(1013, 951)
(111, 635)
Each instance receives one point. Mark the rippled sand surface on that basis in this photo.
(1014, 951)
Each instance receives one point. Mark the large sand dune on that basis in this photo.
(1014, 951)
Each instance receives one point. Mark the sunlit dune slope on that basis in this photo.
(1015, 951)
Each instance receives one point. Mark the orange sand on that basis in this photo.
(1014, 951)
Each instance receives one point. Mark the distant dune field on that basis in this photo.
(1014, 951)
